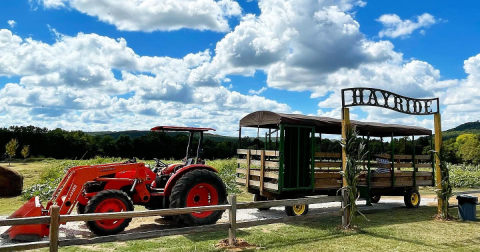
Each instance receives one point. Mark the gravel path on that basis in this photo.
(79, 229)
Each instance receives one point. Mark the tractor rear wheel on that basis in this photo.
(198, 188)
(105, 202)
(80, 208)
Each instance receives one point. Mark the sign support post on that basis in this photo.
(438, 145)
(345, 124)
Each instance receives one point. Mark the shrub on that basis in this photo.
(463, 175)
(51, 177)
(227, 172)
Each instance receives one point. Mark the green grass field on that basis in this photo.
(31, 172)
(398, 229)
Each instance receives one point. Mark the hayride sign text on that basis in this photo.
(380, 98)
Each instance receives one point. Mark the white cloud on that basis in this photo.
(317, 46)
(296, 42)
(361, 3)
(394, 26)
(153, 15)
(12, 23)
(257, 92)
(70, 84)
(54, 4)
(459, 98)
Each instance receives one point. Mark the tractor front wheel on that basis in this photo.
(198, 188)
(106, 202)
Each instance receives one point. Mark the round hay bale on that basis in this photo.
(11, 182)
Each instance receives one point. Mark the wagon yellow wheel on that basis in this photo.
(296, 210)
(375, 198)
(412, 198)
(258, 197)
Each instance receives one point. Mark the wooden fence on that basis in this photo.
(55, 219)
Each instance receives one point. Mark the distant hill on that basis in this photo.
(469, 127)
(139, 133)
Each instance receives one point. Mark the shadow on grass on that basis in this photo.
(388, 237)
(378, 218)
(327, 228)
(217, 235)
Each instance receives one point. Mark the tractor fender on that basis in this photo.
(173, 179)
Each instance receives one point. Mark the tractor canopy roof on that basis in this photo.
(185, 129)
(327, 125)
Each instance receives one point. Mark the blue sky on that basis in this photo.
(106, 65)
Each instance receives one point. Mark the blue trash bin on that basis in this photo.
(467, 207)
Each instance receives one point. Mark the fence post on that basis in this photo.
(247, 181)
(54, 224)
(232, 218)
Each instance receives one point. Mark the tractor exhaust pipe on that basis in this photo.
(33, 208)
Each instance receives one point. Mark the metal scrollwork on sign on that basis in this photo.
(385, 99)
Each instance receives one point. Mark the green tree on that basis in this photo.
(124, 146)
(25, 152)
(450, 154)
(11, 149)
(468, 147)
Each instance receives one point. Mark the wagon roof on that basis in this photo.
(327, 125)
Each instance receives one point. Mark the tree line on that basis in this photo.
(63, 144)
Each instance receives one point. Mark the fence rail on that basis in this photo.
(55, 219)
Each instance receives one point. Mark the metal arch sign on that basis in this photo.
(385, 99)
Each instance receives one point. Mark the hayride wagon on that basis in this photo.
(118, 187)
(296, 167)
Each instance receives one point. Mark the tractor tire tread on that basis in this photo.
(99, 197)
(181, 188)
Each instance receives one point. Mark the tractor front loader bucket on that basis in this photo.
(33, 208)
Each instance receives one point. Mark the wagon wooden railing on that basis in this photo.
(55, 219)
(262, 165)
(260, 169)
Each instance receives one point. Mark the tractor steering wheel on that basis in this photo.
(159, 163)
(131, 161)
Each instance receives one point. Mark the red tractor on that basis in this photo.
(118, 187)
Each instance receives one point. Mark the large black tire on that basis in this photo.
(101, 203)
(375, 198)
(258, 197)
(187, 185)
(412, 198)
